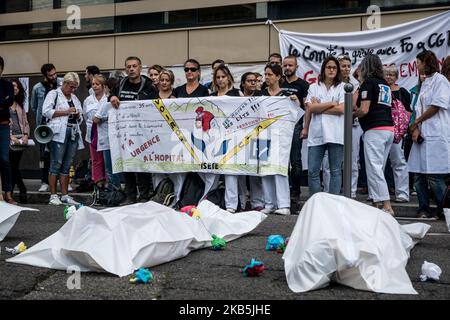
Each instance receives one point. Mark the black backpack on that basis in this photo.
(110, 196)
(192, 192)
(164, 193)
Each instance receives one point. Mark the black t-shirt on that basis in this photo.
(233, 92)
(377, 91)
(133, 91)
(129, 91)
(282, 93)
(72, 118)
(298, 87)
(200, 91)
(404, 96)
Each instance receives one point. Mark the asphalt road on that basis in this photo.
(203, 274)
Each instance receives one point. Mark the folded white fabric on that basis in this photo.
(121, 240)
(8, 217)
(336, 238)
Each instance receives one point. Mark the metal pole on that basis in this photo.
(348, 121)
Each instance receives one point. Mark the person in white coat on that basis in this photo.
(325, 127)
(91, 106)
(63, 109)
(101, 120)
(430, 154)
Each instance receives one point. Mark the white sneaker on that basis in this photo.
(43, 188)
(68, 199)
(231, 210)
(283, 211)
(69, 188)
(54, 200)
(267, 211)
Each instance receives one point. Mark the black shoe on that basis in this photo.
(128, 201)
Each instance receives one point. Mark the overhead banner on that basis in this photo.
(398, 45)
(230, 135)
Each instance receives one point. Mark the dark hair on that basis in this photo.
(217, 61)
(111, 83)
(291, 57)
(2, 63)
(276, 55)
(20, 97)
(338, 78)
(276, 69)
(132, 58)
(225, 70)
(94, 70)
(446, 68)
(244, 78)
(47, 68)
(430, 61)
(193, 61)
(371, 66)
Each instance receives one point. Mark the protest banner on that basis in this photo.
(398, 45)
(224, 135)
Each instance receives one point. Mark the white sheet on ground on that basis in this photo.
(340, 239)
(8, 217)
(121, 240)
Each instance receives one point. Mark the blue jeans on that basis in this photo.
(296, 158)
(437, 185)
(113, 179)
(335, 158)
(61, 154)
(5, 167)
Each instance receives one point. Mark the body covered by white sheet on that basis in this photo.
(340, 239)
(8, 217)
(121, 240)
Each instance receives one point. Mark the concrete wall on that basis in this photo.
(235, 44)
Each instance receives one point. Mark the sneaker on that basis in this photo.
(267, 211)
(54, 200)
(283, 211)
(43, 188)
(231, 210)
(68, 199)
(401, 200)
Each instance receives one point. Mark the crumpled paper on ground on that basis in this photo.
(340, 239)
(123, 239)
(430, 271)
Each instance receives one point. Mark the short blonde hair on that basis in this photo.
(72, 77)
(392, 69)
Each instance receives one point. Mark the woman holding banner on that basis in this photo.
(276, 187)
(373, 108)
(325, 127)
(430, 153)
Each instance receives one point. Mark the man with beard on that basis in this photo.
(134, 87)
(294, 85)
(38, 95)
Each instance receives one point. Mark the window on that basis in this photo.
(66, 3)
(89, 26)
(406, 3)
(228, 13)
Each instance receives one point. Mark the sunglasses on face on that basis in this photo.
(190, 69)
(251, 80)
(331, 67)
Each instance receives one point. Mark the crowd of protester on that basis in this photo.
(384, 161)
